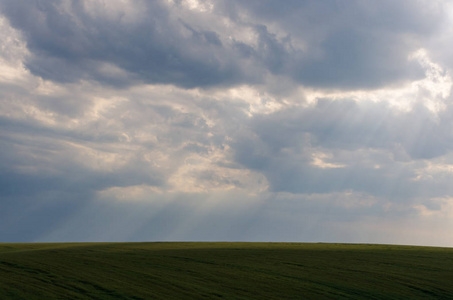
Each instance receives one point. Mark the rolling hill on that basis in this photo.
(203, 270)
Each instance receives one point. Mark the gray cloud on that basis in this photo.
(251, 120)
(371, 142)
(69, 44)
(362, 45)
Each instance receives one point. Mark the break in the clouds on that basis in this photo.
(226, 120)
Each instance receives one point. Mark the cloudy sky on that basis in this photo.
(224, 120)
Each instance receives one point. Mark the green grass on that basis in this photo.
(224, 271)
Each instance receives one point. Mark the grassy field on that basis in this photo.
(224, 271)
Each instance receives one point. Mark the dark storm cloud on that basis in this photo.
(363, 45)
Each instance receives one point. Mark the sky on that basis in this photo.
(225, 120)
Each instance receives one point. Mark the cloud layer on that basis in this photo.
(226, 120)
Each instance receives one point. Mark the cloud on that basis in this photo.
(340, 145)
(362, 45)
(126, 44)
(200, 120)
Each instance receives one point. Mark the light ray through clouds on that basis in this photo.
(226, 120)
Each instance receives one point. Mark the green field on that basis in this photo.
(224, 271)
